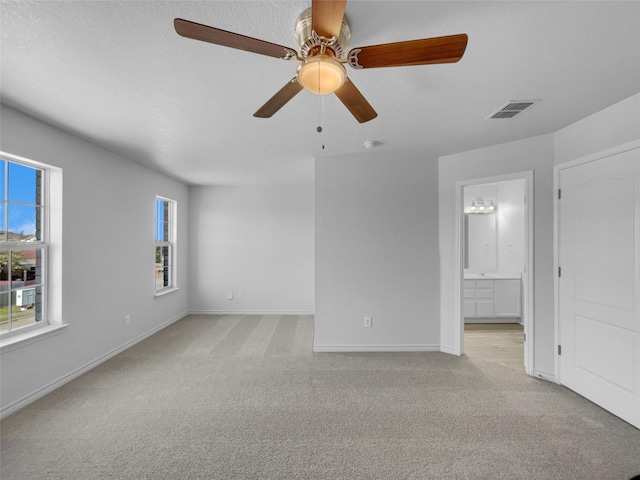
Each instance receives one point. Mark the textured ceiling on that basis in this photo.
(116, 73)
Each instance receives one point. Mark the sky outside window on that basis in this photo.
(162, 231)
(21, 196)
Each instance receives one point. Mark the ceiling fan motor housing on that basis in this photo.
(312, 44)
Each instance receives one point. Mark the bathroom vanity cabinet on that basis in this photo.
(493, 300)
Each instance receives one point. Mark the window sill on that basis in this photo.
(32, 336)
(160, 293)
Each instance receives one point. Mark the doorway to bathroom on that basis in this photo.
(495, 279)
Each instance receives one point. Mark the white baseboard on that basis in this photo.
(250, 312)
(376, 348)
(545, 376)
(41, 392)
(449, 350)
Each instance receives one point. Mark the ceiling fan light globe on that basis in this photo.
(321, 74)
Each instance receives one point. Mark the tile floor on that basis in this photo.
(495, 342)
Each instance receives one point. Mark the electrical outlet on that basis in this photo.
(367, 322)
(258, 296)
(127, 320)
(230, 296)
(240, 295)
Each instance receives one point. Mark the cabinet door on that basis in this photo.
(507, 295)
(484, 299)
(484, 289)
(484, 308)
(469, 289)
(469, 308)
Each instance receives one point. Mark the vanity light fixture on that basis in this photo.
(480, 206)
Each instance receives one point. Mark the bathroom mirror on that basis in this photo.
(480, 243)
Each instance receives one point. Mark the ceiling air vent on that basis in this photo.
(513, 108)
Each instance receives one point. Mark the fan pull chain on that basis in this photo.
(319, 129)
(321, 119)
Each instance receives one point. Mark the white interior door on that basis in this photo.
(599, 284)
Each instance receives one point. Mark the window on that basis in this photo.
(165, 244)
(23, 246)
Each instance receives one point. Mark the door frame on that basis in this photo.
(528, 277)
(557, 170)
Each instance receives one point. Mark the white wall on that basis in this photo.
(377, 252)
(511, 227)
(108, 257)
(254, 240)
(613, 126)
(532, 154)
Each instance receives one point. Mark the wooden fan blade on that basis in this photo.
(351, 97)
(205, 33)
(326, 17)
(425, 51)
(275, 103)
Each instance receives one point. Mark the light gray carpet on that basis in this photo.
(232, 397)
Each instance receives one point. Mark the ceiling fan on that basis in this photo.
(323, 32)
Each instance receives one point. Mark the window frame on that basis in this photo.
(170, 264)
(36, 245)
